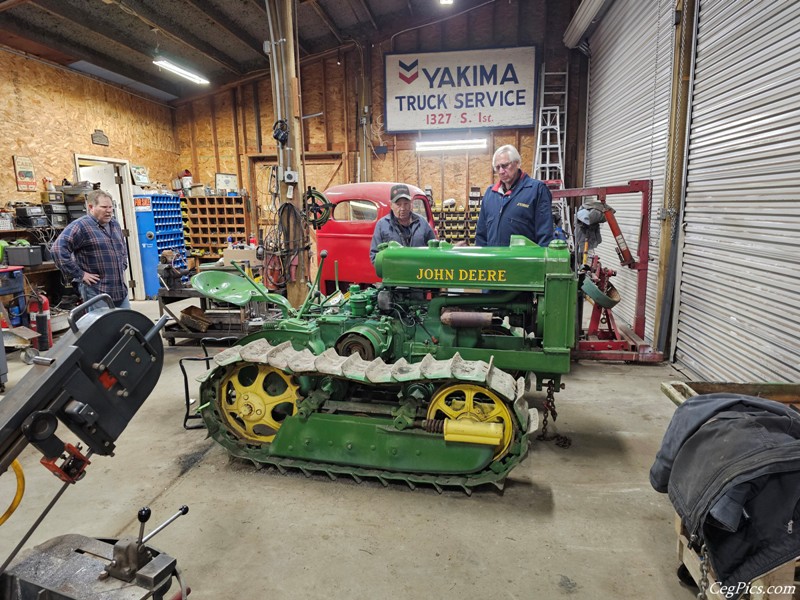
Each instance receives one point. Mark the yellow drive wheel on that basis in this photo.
(254, 400)
(476, 403)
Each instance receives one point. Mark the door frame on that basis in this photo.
(129, 216)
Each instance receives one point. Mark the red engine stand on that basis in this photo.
(617, 342)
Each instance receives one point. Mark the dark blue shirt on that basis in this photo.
(87, 247)
(525, 209)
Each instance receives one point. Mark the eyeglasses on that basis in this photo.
(503, 166)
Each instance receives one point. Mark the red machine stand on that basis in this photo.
(605, 339)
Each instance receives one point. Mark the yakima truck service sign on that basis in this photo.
(460, 90)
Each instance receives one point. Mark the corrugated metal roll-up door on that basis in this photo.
(739, 295)
(630, 77)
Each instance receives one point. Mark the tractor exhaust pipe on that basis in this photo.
(459, 319)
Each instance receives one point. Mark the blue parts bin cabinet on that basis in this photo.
(146, 228)
(167, 225)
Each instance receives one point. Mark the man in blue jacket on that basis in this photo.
(401, 225)
(515, 205)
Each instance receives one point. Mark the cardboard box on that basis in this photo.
(240, 255)
(24, 256)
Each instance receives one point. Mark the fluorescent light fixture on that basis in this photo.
(445, 1)
(440, 145)
(172, 67)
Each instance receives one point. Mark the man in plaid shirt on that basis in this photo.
(91, 252)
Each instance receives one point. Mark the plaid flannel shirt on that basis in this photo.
(87, 247)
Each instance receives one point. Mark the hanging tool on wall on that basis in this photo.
(317, 208)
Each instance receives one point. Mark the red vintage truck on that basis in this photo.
(348, 233)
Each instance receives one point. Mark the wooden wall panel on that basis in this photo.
(266, 112)
(313, 84)
(506, 23)
(383, 168)
(456, 33)
(246, 119)
(266, 208)
(527, 148)
(226, 147)
(335, 89)
(204, 142)
(479, 168)
(455, 176)
(334, 117)
(431, 175)
(183, 134)
(49, 114)
(322, 174)
(481, 27)
(430, 39)
(407, 167)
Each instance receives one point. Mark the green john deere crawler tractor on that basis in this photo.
(417, 380)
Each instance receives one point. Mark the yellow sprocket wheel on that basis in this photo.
(254, 400)
(476, 403)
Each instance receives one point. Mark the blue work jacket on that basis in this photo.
(388, 229)
(523, 210)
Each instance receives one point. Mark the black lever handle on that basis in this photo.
(143, 516)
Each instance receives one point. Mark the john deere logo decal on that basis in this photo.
(406, 71)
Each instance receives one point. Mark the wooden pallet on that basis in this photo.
(778, 584)
(680, 391)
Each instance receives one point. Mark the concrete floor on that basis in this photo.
(581, 522)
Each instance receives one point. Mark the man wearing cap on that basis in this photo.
(515, 205)
(401, 225)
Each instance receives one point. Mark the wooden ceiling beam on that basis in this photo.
(365, 6)
(327, 20)
(9, 4)
(79, 52)
(302, 44)
(225, 23)
(110, 33)
(179, 34)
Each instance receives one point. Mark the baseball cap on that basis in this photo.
(399, 192)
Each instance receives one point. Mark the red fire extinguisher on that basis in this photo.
(39, 313)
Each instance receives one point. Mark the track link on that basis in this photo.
(367, 375)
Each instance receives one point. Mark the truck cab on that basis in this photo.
(348, 233)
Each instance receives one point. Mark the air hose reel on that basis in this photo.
(317, 208)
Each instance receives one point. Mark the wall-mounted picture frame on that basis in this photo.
(140, 175)
(24, 173)
(226, 181)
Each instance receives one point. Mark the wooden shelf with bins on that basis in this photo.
(458, 223)
(208, 222)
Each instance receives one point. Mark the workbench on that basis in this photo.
(223, 320)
